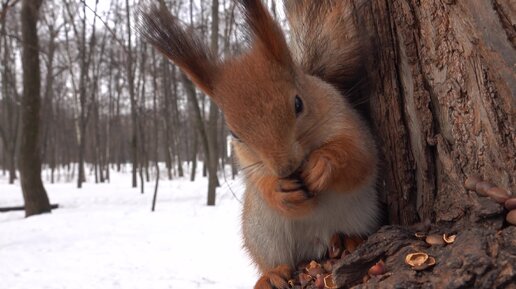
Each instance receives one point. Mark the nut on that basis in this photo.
(335, 248)
(434, 239)
(498, 194)
(482, 188)
(377, 269)
(510, 204)
(471, 182)
(329, 282)
(511, 217)
(449, 239)
(416, 259)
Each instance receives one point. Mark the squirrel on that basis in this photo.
(308, 157)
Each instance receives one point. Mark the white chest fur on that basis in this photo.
(281, 240)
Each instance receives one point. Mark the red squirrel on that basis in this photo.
(309, 159)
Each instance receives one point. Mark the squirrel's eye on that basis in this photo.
(298, 105)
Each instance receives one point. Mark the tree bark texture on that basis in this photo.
(34, 194)
(443, 105)
(442, 110)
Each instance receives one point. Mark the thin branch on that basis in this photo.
(105, 25)
(5, 7)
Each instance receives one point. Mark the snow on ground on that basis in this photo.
(105, 236)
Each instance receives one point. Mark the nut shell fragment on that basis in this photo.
(329, 282)
(429, 263)
(434, 239)
(377, 269)
(319, 281)
(420, 235)
(416, 259)
(449, 239)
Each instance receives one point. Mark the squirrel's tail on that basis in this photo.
(328, 43)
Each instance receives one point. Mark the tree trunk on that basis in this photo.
(444, 103)
(34, 194)
(213, 155)
(134, 117)
(443, 109)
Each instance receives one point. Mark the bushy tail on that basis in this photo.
(327, 43)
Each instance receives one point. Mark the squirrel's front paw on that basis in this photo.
(317, 172)
(276, 278)
(293, 199)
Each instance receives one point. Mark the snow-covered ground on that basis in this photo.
(105, 236)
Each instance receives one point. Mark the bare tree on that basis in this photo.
(10, 109)
(34, 194)
(130, 80)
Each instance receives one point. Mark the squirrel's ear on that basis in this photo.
(162, 30)
(266, 33)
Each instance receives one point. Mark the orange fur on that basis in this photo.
(292, 161)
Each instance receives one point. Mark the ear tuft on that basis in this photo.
(158, 27)
(267, 35)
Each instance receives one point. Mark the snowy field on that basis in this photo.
(105, 236)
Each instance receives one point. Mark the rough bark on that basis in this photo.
(443, 109)
(482, 256)
(34, 194)
(443, 106)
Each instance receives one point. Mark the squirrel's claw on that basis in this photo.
(317, 173)
(293, 199)
(275, 278)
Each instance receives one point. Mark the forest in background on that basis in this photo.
(108, 98)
